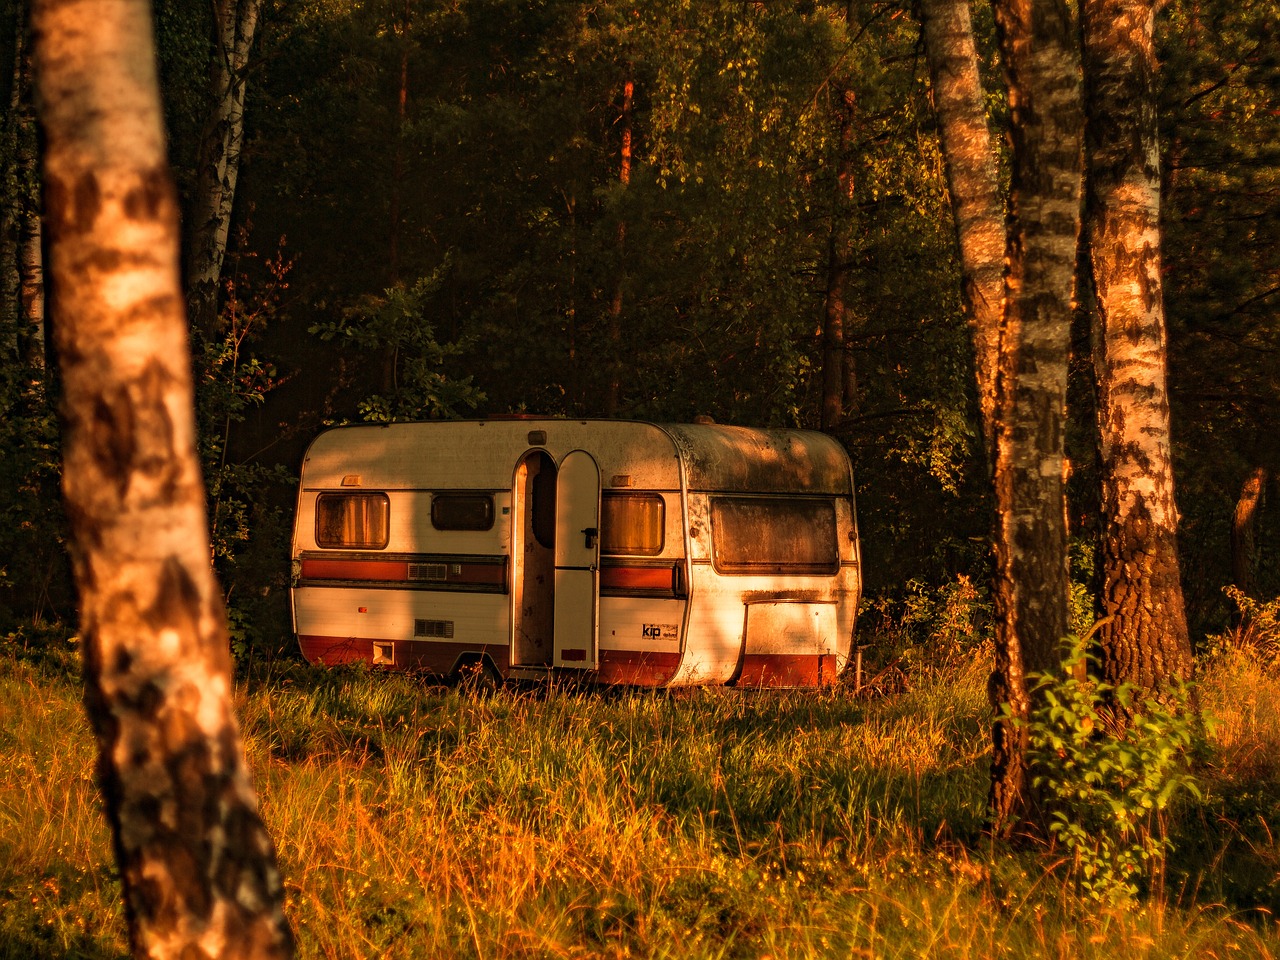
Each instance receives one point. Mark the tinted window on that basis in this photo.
(631, 524)
(462, 511)
(359, 520)
(773, 535)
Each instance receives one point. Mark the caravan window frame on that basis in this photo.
(738, 539)
(327, 539)
(632, 550)
(441, 499)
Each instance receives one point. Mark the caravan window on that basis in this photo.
(631, 524)
(352, 520)
(760, 535)
(462, 511)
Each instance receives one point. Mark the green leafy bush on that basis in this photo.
(1104, 785)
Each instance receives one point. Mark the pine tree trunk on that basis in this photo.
(613, 388)
(1145, 639)
(835, 353)
(196, 863)
(1244, 525)
(1039, 43)
(235, 22)
(973, 181)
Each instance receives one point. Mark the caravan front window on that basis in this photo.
(762, 535)
(631, 524)
(352, 520)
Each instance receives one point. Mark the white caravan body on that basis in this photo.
(627, 552)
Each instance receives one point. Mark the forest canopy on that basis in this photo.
(492, 206)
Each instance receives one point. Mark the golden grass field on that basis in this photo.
(414, 820)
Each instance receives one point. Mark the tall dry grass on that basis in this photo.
(412, 821)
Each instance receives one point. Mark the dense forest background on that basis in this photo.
(489, 206)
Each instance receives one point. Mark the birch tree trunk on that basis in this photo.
(23, 257)
(1040, 47)
(235, 22)
(1144, 640)
(196, 863)
(973, 182)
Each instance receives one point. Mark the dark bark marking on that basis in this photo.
(152, 198)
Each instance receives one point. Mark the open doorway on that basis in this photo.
(533, 556)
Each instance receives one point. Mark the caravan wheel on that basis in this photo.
(476, 675)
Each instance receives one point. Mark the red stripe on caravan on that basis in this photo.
(637, 668)
(354, 570)
(766, 670)
(429, 656)
(636, 578)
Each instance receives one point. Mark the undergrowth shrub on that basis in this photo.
(1257, 631)
(1105, 787)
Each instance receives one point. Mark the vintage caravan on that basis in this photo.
(621, 551)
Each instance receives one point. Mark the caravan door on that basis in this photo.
(577, 575)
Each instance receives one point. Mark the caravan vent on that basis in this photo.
(428, 571)
(433, 628)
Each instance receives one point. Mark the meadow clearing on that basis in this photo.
(415, 820)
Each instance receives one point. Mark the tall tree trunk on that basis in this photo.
(24, 258)
(235, 22)
(196, 863)
(613, 388)
(973, 182)
(397, 164)
(1144, 640)
(1244, 525)
(10, 206)
(836, 358)
(1040, 45)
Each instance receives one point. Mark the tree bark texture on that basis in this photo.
(1144, 640)
(23, 255)
(836, 358)
(973, 182)
(1244, 526)
(196, 863)
(235, 22)
(1040, 47)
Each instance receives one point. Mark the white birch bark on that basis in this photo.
(1040, 45)
(973, 182)
(235, 22)
(1144, 639)
(196, 864)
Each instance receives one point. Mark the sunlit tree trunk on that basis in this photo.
(235, 22)
(1144, 638)
(196, 863)
(973, 182)
(836, 359)
(613, 388)
(1244, 526)
(1040, 46)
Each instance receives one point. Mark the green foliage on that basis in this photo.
(395, 328)
(1105, 783)
(248, 499)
